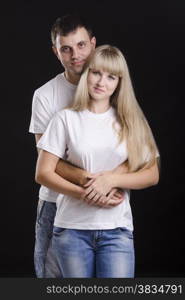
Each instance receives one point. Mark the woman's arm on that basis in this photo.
(135, 180)
(46, 175)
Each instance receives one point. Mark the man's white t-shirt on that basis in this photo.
(50, 98)
(88, 140)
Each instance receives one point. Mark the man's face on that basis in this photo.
(74, 49)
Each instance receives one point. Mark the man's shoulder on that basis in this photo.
(50, 85)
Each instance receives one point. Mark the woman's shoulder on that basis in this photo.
(67, 114)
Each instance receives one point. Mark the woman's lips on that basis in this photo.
(98, 90)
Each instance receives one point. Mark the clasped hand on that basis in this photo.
(99, 192)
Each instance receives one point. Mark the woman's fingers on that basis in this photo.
(89, 183)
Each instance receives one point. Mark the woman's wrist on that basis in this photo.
(112, 181)
(109, 176)
(116, 180)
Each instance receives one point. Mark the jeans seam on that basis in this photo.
(40, 212)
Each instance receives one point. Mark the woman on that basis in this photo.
(104, 128)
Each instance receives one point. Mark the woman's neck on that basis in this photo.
(98, 107)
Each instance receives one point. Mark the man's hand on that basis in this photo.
(114, 198)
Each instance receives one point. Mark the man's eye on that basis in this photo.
(65, 49)
(81, 45)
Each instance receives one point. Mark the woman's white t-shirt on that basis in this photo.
(89, 141)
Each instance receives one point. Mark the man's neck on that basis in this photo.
(72, 78)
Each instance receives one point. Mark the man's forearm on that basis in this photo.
(67, 170)
(71, 172)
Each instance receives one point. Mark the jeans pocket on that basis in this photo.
(58, 230)
(128, 233)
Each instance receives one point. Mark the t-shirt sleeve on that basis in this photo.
(54, 140)
(41, 113)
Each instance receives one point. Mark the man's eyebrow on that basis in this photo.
(82, 41)
(65, 46)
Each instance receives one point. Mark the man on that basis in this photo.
(73, 42)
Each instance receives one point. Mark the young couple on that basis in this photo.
(99, 144)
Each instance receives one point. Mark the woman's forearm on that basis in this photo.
(136, 180)
(122, 168)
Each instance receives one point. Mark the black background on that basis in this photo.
(151, 35)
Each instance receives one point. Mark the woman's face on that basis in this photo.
(101, 84)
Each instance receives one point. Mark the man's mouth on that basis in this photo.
(77, 63)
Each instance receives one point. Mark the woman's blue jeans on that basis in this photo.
(94, 253)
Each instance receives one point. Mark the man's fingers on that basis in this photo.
(118, 194)
(94, 200)
(111, 193)
(90, 196)
(113, 203)
(101, 201)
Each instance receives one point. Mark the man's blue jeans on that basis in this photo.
(45, 262)
(94, 253)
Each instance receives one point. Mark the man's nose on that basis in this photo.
(75, 53)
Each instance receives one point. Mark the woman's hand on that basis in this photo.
(99, 184)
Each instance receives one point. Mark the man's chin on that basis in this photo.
(78, 69)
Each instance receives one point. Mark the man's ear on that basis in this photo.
(93, 42)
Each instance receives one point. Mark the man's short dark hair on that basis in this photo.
(67, 24)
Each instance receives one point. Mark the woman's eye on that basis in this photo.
(96, 72)
(112, 77)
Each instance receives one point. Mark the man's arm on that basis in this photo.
(46, 175)
(79, 176)
(68, 171)
(72, 173)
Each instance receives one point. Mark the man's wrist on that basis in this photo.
(84, 177)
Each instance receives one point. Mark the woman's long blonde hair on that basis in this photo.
(134, 127)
